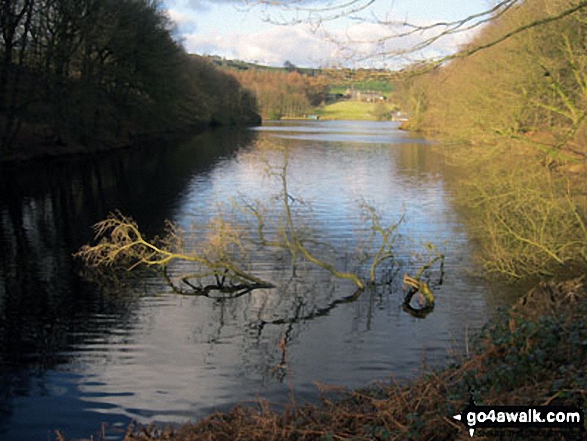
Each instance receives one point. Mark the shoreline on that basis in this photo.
(37, 150)
(33, 147)
(531, 355)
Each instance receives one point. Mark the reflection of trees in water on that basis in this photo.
(46, 211)
(46, 314)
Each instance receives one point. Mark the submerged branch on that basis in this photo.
(121, 245)
(217, 257)
(296, 245)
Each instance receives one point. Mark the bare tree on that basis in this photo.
(15, 23)
(407, 44)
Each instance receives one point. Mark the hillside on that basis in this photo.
(99, 85)
(292, 92)
(515, 115)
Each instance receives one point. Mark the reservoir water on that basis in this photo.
(83, 358)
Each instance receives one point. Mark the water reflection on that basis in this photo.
(74, 355)
(47, 313)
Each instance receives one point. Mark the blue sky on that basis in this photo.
(237, 29)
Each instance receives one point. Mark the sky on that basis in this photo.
(249, 31)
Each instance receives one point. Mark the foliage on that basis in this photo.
(94, 71)
(381, 111)
(244, 65)
(381, 85)
(531, 222)
(217, 96)
(294, 93)
(535, 340)
(518, 108)
(537, 79)
(123, 245)
(528, 220)
(281, 93)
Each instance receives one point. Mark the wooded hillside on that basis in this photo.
(89, 72)
(531, 87)
(282, 93)
(518, 111)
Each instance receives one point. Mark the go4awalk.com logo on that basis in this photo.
(521, 417)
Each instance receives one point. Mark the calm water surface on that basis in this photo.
(74, 354)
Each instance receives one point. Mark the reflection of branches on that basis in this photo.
(319, 312)
(416, 283)
(417, 286)
(281, 369)
(219, 255)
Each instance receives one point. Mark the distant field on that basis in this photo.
(347, 110)
(381, 86)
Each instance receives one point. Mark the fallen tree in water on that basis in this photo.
(123, 245)
(219, 254)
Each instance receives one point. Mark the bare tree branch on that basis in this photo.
(533, 24)
(401, 33)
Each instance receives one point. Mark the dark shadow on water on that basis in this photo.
(46, 213)
(53, 322)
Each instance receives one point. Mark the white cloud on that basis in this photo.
(356, 45)
(274, 46)
(185, 20)
(199, 5)
(382, 45)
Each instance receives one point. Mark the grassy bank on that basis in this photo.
(535, 354)
(347, 110)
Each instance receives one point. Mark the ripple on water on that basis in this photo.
(148, 354)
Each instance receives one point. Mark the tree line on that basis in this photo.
(99, 71)
(284, 93)
(520, 105)
(536, 79)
